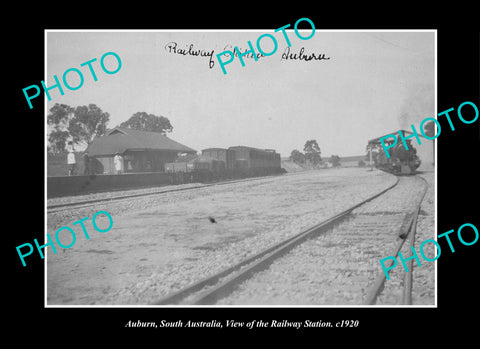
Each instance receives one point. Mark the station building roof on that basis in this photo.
(121, 139)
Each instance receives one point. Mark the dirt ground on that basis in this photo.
(170, 241)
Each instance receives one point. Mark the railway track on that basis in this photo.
(350, 226)
(406, 240)
(92, 202)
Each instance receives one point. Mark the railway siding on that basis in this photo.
(423, 291)
(163, 243)
(424, 277)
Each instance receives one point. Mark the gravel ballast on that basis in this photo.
(161, 243)
(340, 266)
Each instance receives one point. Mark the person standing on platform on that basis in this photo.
(117, 160)
(71, 159)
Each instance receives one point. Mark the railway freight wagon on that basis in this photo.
(221, 154)
(232, 163)
(246, 159)
(200, 169)
(253, 161)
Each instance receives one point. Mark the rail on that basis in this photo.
(407, 234)
(223, 282)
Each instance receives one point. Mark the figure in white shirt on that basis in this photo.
(71, 159)
(117, 160)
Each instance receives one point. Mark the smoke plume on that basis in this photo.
(419, 104)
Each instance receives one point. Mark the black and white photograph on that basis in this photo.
(240, 168)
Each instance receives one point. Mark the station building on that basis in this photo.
(141, 151)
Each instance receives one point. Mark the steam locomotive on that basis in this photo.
(401, 161)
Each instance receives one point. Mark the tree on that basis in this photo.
(88, 123)
(312, 152)
(59, 115)
(80, 124)
(148, 122)
(335, 160)
(58, 119)
(58, 141)
(297, 157)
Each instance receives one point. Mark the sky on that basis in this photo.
(374, 83)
